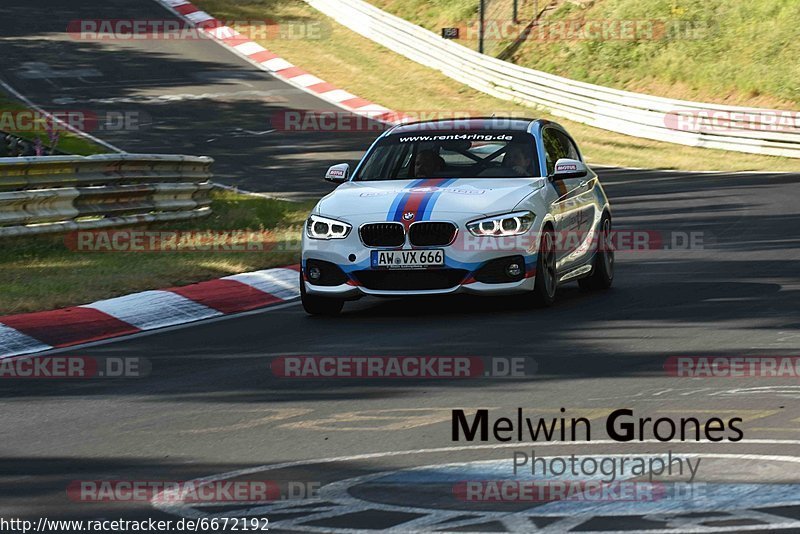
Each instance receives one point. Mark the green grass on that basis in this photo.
(371, 71)
(464, 14)
(735, 52)
(68, 142)
(43, 272)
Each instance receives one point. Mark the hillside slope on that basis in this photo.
(732, 52)
(364, 68)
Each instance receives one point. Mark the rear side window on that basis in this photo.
(557, 146)
(553, 148)
(568, 145)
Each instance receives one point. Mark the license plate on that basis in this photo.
(407, 259)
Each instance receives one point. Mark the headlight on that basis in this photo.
(502, 225)
(323, 228)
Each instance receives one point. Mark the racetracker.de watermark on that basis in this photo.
(165, 491)
(398, 367)
(172, 30)
(516, 491)
(733, 366)
(722, 121)
(585, 30)
(180, 241)
(31, 121)
(74, 367)
(299, 121)
(617, 241)
(224, 241)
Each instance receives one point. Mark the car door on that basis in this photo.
(572, 206)
(583, 201)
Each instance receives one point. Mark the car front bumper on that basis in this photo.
(348, 291)
(353, 259)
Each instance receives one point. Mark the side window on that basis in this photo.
(568, 146)
(553, 148)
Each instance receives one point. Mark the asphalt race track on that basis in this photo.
(379, 452)
(186, 97)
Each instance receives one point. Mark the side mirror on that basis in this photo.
(569, 168)
(338, 173)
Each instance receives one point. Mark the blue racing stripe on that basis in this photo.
(430, 201)
(396, 210)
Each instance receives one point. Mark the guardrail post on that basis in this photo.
(482, 27)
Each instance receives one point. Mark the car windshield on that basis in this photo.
(456, 154)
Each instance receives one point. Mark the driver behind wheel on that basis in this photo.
(517, 159)
(427, 164)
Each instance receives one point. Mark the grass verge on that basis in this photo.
(371, 71)
(67, 142)
(44, 272)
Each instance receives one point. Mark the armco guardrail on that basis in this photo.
(48, 194)
(630, 113)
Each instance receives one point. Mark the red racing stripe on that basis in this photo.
(261, 57)
(415, 200)
(226, 296)
(236, 40)
(291, 72)
(210, 24)
(356, 102)
(187, 9)
(323, 87)
(70, 326)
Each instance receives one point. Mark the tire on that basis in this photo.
(314, 305)
(546, 280)
(603, 269)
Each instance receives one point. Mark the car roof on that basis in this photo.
(500, 124)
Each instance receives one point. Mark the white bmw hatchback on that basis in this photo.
(485, 206)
